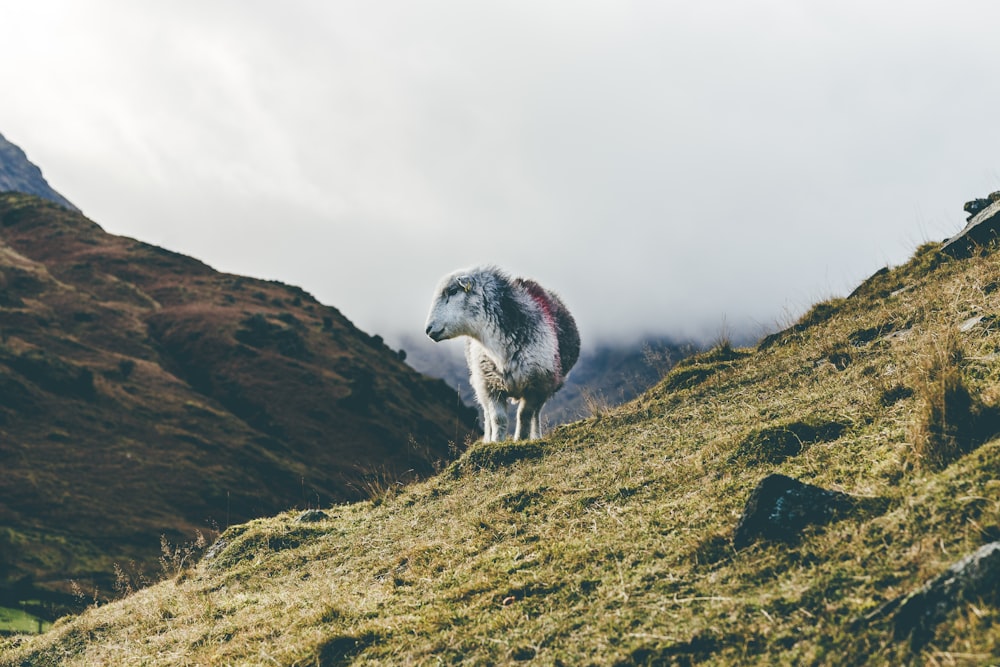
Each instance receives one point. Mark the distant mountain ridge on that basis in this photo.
(144, 394)
(19, 174)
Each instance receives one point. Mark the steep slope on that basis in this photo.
(19, 174)
(611, 542)
(143, 394)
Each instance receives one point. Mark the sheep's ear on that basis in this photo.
(466, 283)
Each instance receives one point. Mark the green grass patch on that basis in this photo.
(493, 455)
(19, 621)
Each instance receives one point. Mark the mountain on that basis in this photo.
(145, 395)
(827, 497)
(18, 174)
(606, 375)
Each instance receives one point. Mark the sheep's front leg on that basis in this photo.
(487, 383)
(498, 417)
(494, 416)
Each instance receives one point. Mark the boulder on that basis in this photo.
(780, 507)
(975, 577)
(312, 516)
(982, 229)
(976, 205)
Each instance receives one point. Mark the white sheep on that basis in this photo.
(522, 341)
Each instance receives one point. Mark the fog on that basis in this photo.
(670, 168)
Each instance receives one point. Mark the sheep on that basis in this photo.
(522, 342)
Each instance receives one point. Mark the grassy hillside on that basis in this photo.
(609, 542)
(144, 394)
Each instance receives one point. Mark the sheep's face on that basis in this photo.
(456, 310)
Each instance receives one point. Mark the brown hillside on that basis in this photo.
(143, 394)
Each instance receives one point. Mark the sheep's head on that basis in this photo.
(456, 308)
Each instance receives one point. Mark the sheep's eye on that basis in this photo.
(453, 290)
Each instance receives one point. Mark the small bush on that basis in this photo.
(174, 559)
(54, 374)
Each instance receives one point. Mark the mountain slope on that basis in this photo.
(19, 174)
(610, 542)
(144, 394)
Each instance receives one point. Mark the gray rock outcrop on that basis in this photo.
(780, 507)
(976, 205)
(975, 577)
(19, 174)
(982, 229)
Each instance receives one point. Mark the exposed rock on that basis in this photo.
(971, 323)
(976, 205)
(19, 174)
(780, 507)
(312, 516)
(217, 547)
(982, 230)
(975, 577)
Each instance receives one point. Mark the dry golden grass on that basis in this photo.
(609, 542)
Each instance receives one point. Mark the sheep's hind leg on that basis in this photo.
(536, 424)
(528, 424)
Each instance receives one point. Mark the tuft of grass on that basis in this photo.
(696, 369)
(176, 560)
(950, 421)
(595, 403)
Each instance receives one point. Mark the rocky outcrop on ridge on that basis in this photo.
(19, 174)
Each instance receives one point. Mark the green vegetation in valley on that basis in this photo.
(21, 622)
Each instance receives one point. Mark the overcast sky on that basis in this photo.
(669, 167)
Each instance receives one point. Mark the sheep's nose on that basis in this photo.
(434, 335)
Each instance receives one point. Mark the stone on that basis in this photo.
(971, 323)
(983, 229)
(312, 516)
(780, 507)
(976, 205)
(973, 578)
